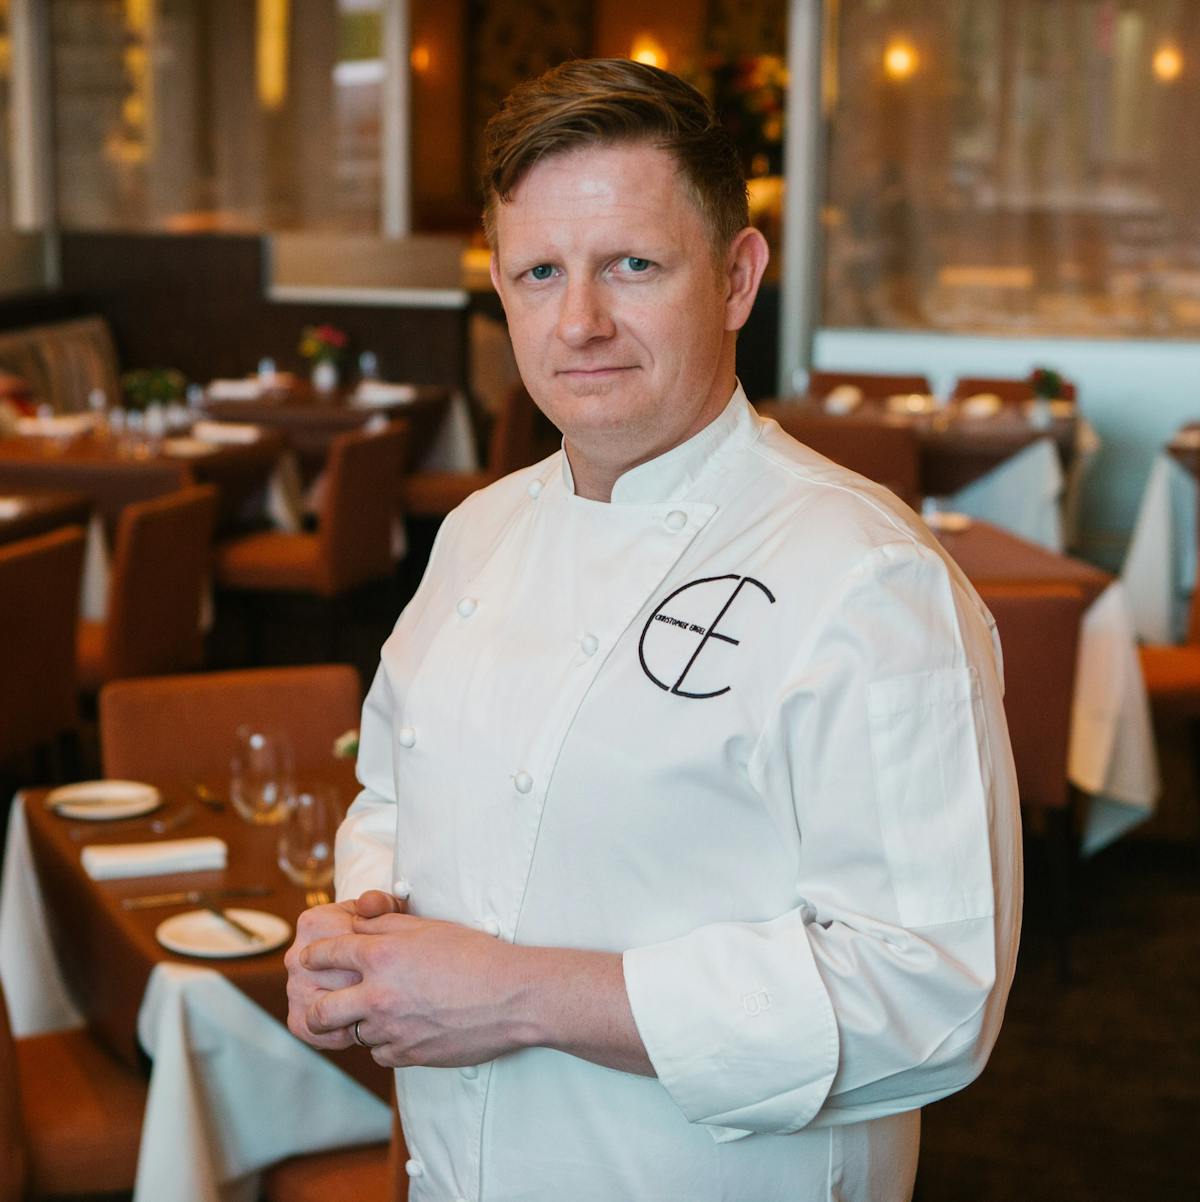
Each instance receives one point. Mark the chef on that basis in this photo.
(685, 866)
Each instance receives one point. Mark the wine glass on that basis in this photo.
(260, 775)
(307, 838)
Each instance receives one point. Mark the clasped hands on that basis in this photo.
(423, 991)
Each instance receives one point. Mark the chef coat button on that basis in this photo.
(523, 782)
(491, 924)
(590, 644)
(466, 607)
(407, 737)
(676, 520)
(401, 888)
(414, 1168)
(470, 1071)
(535, 489)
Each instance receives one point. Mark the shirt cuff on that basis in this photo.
(737, 1023)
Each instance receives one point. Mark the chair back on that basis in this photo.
(150, 728)
(888, 454)
(159, 576)
(511, 444)
(1039, 635)
(822, 383)
(362, 500)
(39, 608)
(1010, 391)
(13, 1160)
(63, 361)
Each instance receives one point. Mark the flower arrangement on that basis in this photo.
(150, 385)
(750, 95)
(323, 343)
(345, 746)
(1047, 383)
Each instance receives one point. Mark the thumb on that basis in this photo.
(375, 902)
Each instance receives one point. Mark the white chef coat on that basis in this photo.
(744, 725)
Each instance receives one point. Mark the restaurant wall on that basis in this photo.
(1135, 394)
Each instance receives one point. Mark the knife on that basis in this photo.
(193, 897)
(241, 928)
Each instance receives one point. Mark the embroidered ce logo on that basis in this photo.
(682, 626)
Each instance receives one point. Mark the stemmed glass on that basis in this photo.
(261, 774)
(306, 841)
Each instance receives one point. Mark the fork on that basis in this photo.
(317, 897)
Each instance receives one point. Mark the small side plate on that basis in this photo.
(202, 933)
(104, 800)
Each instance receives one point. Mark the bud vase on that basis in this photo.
(325, 375)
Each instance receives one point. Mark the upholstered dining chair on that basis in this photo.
(888, 454)
(1039, 636)
(39, 608)
(872, 384)
(156, 591)
(1009, 390)
(149, 727)
(70, 1116)
(434, 494)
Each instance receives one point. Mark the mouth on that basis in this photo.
(593, 373)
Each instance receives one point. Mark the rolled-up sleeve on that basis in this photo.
(884, 988)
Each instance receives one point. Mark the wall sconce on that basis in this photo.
(900, 59)
(1167, 63)
(274, 17)
(420, 58)
(648, 50)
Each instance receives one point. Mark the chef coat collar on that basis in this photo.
(670, 476)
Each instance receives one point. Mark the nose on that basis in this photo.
(584, 316)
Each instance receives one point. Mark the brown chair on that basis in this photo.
(353, 542)
(822, 383)
(70, 1116)
(156, 592)
(1010, 391)
(1039, 634)
(435, 494)
(39, 608)
(888, 454)
(149, 727)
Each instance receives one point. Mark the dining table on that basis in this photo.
(1112, 758)
(27, 514)
(231, 1091)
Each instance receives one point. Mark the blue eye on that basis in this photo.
(635, 264)
(543, 271)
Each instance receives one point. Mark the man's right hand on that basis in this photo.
(305, 985)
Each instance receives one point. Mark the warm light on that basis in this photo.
(1168, 63)
(649, 51)
(900, 59)
(274, 17)
(420, 58)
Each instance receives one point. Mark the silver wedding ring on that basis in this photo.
(358, 1039)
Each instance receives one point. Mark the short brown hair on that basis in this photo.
(602, 101)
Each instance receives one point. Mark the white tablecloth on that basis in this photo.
(231, 1091)
(1160, 566)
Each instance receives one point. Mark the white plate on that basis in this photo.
(202, 933)
(948, 523)
(102, 800)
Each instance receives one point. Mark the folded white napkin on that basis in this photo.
(12, 507)
(376, 392)
(187, 448)
(58, 425)
(249, 389)
(845, 398)
(112, 860)
(240, 432)
(982, 404)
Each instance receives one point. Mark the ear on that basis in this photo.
(494, 271)
(745, 262)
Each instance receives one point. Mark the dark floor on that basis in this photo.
(1093, 1090)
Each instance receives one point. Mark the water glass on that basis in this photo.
(307, 838)
(261, 775)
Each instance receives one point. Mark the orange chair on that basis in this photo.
(1039, 635)
(435, 494)
(156, 592)
(39, 608)
(353, 542)
(148, 728)
(1010, 391)
(822, 383)
(887, 454)
(70, 1116)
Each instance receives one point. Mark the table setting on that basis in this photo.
(157, 914)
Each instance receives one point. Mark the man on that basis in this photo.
(688, 758)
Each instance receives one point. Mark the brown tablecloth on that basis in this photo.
(42, 512)
(989, 555)
(107, 953)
